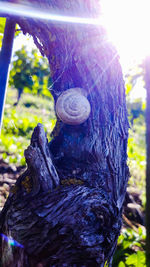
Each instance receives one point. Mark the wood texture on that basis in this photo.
(66, 209)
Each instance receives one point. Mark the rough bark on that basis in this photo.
(66, 209)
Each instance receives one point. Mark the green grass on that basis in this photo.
(19, 122)
(131, 248)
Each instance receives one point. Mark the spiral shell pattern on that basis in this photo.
(72, 107)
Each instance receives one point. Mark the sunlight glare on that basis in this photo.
(51, 15)
(127, 23)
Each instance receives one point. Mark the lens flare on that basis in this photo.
(26, 11)
(11, 241)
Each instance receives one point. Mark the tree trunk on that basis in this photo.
(66, 209)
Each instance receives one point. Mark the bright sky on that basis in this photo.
(128, 22)
(21, 40)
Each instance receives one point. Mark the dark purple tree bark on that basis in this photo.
(66, 209)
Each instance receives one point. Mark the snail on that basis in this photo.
(72, 106)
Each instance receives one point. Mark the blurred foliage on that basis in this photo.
(136, 109)
(136, 143)
(131, 78)
(136, 153)
(131, 248)
(19, 122)
(30, 72)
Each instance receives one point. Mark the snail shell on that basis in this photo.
(72, 106)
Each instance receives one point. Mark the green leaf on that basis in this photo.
(127, 244)
(121, 264)
(141, 257)
(132, 260)
(137, 260)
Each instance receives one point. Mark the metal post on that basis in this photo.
(5, 58)
(147, 85)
